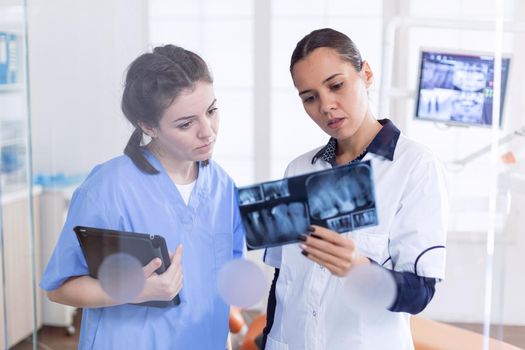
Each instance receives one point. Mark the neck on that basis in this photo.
(352, 147)
(181, 172)
(183, 175)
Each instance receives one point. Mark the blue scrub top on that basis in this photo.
(117, 195)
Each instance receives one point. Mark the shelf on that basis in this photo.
(13, 141)
(7, 88)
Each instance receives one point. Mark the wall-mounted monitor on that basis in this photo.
(458, 88)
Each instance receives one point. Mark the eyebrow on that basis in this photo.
(324, 81)
(194, 116)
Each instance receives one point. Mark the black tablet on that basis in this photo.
(97, 244)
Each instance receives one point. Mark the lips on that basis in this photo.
(335, 123)
(205, 147)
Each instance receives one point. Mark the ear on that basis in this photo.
(367, 74)
(149, 130)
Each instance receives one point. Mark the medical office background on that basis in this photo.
(60, 116)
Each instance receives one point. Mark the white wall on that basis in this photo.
(78, 51)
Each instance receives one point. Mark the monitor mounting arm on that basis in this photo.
(467, 159)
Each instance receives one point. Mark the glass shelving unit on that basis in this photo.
(19, 258)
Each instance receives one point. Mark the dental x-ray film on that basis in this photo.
(277, 212)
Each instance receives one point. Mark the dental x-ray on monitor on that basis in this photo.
(458, 88)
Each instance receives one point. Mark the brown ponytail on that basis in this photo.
(134, 151)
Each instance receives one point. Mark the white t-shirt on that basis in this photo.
(185, 191)
(411, 202)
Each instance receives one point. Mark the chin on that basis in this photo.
(346, 133)
(203, 158)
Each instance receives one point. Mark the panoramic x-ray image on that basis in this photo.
(275, 225)
(365, 218)
(276, 189)
(340, 195)
(248, 195)
(277, 212)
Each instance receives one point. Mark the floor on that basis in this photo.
(514, 335)
(57, 338)
(53, 338)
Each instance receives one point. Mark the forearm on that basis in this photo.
(82, 291)
(414, 292)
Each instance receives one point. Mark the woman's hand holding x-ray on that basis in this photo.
(166, 285)
(332, 250)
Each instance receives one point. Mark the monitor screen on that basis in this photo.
(458, 88)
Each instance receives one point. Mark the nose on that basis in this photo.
(327, 103)
(206, 130)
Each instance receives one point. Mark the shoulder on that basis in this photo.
(218, 171)
(110, 175)
(114, 169)
(412, 152)
(417, 161)
(217, 174)
(303, 164)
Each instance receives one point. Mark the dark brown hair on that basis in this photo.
(329, 38)
(153, 81)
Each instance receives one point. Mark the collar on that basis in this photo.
(383, 144)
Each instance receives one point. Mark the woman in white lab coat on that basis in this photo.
(307, 306)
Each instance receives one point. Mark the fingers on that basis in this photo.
(176, 264)
(330, 249)
(336, 270)
(177, 271)
(164, 286)
(328, 235)
(345, 250)
(177, 254)
(327, 257)
(151, 267)
(330, 242)
(178, 282)
(338, 265)
(177, 257)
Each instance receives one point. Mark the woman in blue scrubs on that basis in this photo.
(168, 186)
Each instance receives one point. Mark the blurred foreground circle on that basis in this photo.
(241, 283)
(369, 288)
(121, 277)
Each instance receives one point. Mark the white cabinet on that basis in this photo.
(54, 205)
(18, 258)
